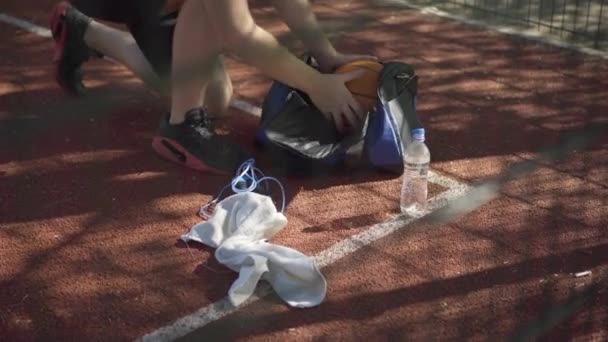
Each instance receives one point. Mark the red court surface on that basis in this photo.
(90, 217)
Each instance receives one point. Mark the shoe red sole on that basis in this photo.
(58, 30)
(174, 152)
(60, 35)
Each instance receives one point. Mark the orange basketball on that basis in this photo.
(364, 88)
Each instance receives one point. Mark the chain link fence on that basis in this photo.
(583, 22)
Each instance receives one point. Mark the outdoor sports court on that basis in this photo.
(90, 217)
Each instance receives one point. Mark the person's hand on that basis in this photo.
(335, 101)
(330, 63)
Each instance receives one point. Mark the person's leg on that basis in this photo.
(200, 91)
(195, 53)
(77, 35)
(191, 139)
(122, 47)
(156, 39)
(219, 90)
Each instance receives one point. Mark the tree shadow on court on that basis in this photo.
(90, 215)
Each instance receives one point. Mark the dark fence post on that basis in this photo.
(596, 41)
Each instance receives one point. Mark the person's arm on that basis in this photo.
(240, 35)
(300, 18)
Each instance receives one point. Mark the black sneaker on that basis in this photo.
(68, 26)
(195, 144)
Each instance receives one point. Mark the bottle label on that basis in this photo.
(421, 169)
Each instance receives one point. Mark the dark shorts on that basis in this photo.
(152, 31)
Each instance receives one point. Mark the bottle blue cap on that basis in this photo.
(418, 134)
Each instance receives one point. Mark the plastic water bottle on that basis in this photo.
(415, 185)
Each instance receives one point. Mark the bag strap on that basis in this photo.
(398, 86)
(395, 78)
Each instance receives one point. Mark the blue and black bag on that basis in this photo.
(299, 140)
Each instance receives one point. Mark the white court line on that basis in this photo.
(26, 25)
(223, 307)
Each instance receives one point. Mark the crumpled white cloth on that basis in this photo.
(239, 230)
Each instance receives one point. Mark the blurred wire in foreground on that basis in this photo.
(490, 188)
